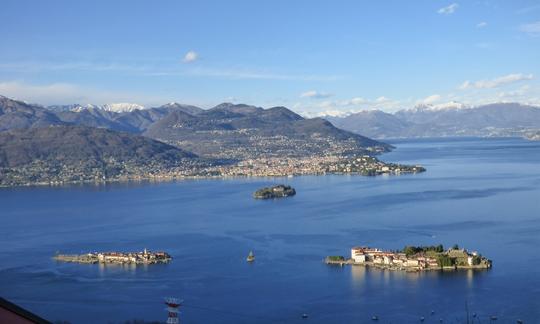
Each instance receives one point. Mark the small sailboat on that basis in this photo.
(250, 257)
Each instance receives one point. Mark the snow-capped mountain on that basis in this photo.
(73, 107)
(122, 107)
(451, 119)
(326, 113)
(443, 106)
(114, 107)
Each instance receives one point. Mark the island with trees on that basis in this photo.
(414, 258)
(279, 191)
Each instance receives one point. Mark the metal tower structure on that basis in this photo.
(173, 305)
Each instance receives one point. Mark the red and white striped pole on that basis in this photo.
(173, 306)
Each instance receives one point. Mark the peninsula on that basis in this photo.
(279, 191)
(143, 257)
(414, 258)
(74, 144)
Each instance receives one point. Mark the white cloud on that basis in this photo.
(465, 85)
(449, 9)
(190, 56)
(327, 104)
(382, 99)
(358, 101)
(497, 82)
(430, 99)
(315, 94)
(532, 29)
(514, 94)
(481, 24)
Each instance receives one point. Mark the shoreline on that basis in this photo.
(144, 257)
(403, 268)
(164, 179)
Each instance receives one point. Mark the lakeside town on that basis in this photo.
(142, 257)
(413, 258)
(314, 165)
(38, 173)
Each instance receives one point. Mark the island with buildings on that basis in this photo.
(143, 257)
(414, 258)
(279, 191)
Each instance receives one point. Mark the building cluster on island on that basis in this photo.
(143, 257)
(279, 191)
(413, 258)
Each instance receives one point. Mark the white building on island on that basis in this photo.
(358, 255)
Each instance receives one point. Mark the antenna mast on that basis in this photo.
(173, 305)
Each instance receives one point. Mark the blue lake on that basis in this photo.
(483, 194)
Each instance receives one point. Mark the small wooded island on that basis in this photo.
(279, 191)
(414, 258)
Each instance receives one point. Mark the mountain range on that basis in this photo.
(227, 131)
(60, 153)
(244, 131)
(500, 119)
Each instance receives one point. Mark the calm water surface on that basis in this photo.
(480, 193)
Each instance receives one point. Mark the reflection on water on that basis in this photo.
(470, 277)
(358, 274)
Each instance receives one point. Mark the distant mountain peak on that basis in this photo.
(122, 107)
(173, 104)
(236, 108)
(442, 106)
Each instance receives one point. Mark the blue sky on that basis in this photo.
(312, 56)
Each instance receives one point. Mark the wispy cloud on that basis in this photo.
(484, 45)
(358, 101)
(430, 99)
(448, 10)
(481, 24)
(241, 73)
(36, 66)
(155, 70)
(315, 94)
(528, 9)
(190, 56)
(382, 99)
(514, 94)
(532, 29)
(67, 93)
(496, 82)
